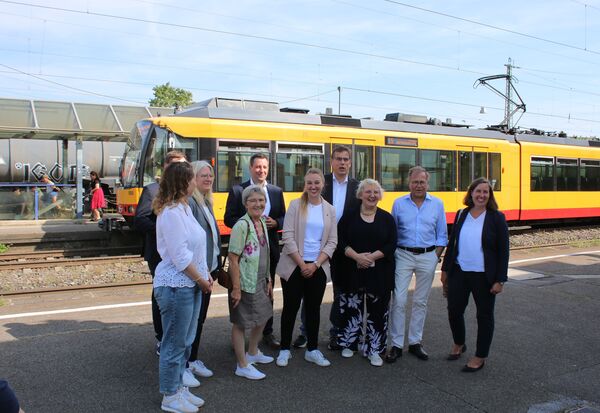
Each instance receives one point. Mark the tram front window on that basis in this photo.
(131, 158)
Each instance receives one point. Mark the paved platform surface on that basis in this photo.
(56, 233)
(545, 356)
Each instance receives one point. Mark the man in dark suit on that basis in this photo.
(274, 215)
(145, 223)
(339, 191)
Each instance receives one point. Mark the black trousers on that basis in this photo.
(156, 321)
(461, 284)
(201, 319)
(295, 290)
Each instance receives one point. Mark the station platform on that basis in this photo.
(93, 351)
(58, 233)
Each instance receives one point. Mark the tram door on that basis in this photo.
(472, 163)
(363, 156)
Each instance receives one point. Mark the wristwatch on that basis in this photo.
(501, 283)
(317, 264)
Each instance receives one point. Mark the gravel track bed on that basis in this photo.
(56, 277)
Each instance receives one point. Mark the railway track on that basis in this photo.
(68, 262)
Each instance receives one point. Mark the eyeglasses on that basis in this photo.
(205, 176)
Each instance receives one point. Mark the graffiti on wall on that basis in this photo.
(36, 171)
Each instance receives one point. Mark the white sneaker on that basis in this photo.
(259, 358)
(347, 353)
(177, 403)
(192, 398)
(249, 372)
(376, 360)
(316, 357)
(199, 369)
(189, 380)
(283, 358)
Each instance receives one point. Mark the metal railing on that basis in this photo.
(33, 201)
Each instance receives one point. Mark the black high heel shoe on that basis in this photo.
(467, 369)
(452, 356)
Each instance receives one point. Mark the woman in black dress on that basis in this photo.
(368, 238)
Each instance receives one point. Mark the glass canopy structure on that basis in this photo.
(40, 119)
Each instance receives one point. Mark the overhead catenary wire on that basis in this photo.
(491, 26)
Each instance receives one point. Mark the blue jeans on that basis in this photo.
(179, 310)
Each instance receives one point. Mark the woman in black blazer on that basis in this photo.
(476, 262)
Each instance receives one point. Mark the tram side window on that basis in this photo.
(162, 142)
(441, 166)
(495, 171)
(233, 161)
(395, 164)
(363, 162)
(293, 161)
(566, 174)
(542, 174)
(589, 174)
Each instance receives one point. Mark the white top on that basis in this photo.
(313, 232)
(180, 241)
(339, 196)
(470, 250)
(267, 200)
(213, 230)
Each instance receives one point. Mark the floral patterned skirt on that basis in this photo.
(364, 322)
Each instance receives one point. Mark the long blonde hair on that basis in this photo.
(201, 198)
(304, 197)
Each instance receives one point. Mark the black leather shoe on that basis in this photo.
(453, 356)
(333, 344)
(300, 341)
(393, 355)
(271, 341)
(417, 350)
(467, 369)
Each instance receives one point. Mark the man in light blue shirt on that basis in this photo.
(422, 237)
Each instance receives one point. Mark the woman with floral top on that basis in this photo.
(250, 299)
(368, 238)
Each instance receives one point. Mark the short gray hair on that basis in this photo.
(416, 170)
(368, 182)
(251, 190)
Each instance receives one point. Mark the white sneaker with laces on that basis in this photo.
(189, 380)
(376, 360)
(283, 358)
(259, 358)
(192, 398)
(347, 353)
(177, 403)
(316, 357)
(199, 369)
(249, 372)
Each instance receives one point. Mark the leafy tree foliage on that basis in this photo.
(168, 96)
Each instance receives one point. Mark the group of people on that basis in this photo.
(334, 232)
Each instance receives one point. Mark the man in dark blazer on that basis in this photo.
(145, 223)
(339, 191)
(274, 215)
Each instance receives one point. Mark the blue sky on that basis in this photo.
(387, 56)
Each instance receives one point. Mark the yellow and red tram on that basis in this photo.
(534, 177)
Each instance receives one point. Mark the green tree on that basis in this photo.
(167, 96)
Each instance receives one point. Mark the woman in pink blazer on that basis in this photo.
(309, 240)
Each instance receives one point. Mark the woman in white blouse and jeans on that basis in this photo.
(179, 281)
